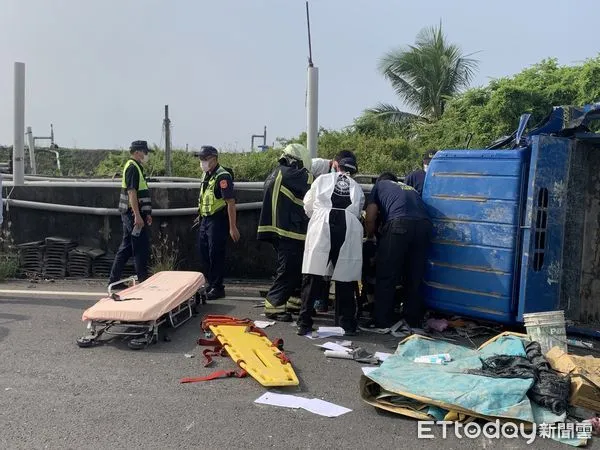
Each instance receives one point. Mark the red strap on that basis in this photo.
(207, 342)
(209, 353)
(216, 375)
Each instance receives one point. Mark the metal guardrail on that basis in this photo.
(112, 211)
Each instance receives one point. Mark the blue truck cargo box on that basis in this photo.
(499, 221)
(474, 198)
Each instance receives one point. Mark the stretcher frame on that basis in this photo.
(148, 330)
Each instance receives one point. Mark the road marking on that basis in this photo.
(35, 292)
(253, 299)
(65, 293)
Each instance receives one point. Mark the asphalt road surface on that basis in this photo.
(55, 395)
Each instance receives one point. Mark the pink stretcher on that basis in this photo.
(137, 312)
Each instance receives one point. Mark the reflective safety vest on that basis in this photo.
(143, 193)
(208, 203)
(282, 214)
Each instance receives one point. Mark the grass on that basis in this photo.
(9, 259)
(165, 256)
(9, 266)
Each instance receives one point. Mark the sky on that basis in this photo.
(102, 70)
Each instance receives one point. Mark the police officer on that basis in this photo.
(135, 206)
(217, 215)
(401, 249)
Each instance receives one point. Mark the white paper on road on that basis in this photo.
(263, 323)
(314, 405)
(323, 408)
(285, 400)
(368, 369)
(335, 347)
(325, 332)
(382, 356)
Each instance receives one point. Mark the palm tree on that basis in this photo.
(425, 76)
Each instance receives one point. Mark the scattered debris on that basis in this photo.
(580, 344)
(325, 332)
(382, 356)
(358, 354)
(436, 324)
(189, 355)
(313, 405)
(585, 377)
(263, 323)
(440, 358)
(334, 346)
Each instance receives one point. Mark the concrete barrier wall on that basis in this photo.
(247, 259)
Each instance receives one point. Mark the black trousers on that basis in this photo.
(136, 246)
(313, 286)
(401, 254)
(212, 241)
(288, 278)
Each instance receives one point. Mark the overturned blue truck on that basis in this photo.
(517, 225)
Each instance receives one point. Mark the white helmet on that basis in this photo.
(300, 153)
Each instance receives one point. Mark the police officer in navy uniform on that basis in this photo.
(135, 206)
(217, 216)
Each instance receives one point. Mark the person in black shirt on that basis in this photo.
(402, 249)
(416, 179)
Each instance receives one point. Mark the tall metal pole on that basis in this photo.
(167, 125)
(312, 99)
(31, 143)
(265, 138)
(19, 131)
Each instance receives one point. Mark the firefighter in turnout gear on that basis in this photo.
(283, 223)
(135, 206)
(217, 216)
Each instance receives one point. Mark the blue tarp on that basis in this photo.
(448, 386)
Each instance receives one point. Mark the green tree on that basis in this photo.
(425, 76)
(494, 110)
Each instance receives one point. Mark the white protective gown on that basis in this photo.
(317, 204)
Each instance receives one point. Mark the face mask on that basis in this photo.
(145, 158)
(205, 165)
(425, 166)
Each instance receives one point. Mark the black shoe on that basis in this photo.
(215, 294)
(280, 317)
(303, 331)
(351, 332)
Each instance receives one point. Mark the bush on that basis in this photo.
(9, 259)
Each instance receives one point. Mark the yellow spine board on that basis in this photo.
(256, 355)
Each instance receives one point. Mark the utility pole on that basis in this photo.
(167, 128)
(31, 143)
(19, 126)
(312, 99)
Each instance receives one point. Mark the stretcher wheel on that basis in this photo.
(86, 342)
(138, 344)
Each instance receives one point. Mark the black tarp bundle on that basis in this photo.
(550, 389)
